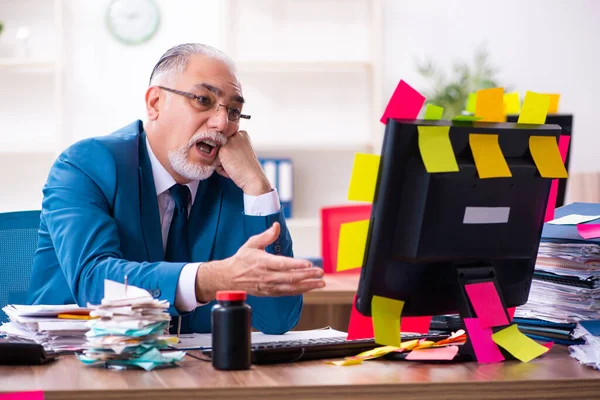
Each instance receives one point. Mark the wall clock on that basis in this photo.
(132, 21)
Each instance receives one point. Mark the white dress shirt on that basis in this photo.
(185, 296)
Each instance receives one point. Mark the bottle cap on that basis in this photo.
(231, 295)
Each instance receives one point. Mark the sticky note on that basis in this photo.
(37, 395)
(364, 177)
(488, 156)
(511, 312)
(352, 243)
(386, 320)
(436, 149)
(512, 103)
(433, 112)
(520, 346)
(471, 103)
(346, 362)
(534, 109)
(415, 324)
(435, 353)
(589, 231)
(486, 351)
(573, 219)
(466, 118)
(405, 103)
(553, 106)
(563, 148)
(546, 156)
(424, 344)
(486, 303)
(359, 326)
(377, 352)
(490, 105)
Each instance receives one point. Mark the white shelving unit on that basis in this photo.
(313, 97)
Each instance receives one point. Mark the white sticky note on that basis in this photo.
(573, 219)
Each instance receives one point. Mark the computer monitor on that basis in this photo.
(430, 234)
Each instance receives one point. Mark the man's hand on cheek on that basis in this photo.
(238, 162)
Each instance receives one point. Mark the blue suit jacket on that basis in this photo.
(100, 221)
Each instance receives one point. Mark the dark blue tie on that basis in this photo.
(178, 248)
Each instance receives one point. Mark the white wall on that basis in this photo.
(540, 45)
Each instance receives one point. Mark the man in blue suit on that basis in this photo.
(144, 203)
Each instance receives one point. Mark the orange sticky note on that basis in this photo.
(436, 149)
(546, 155)
(490, 105)
(364, 177)
(512, 103)
(352, 243)
(517, 344)
(488, 156)
(553, 107)
(535, 108)
(433, 112)
(386, 320)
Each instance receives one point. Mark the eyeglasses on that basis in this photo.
(204, 103)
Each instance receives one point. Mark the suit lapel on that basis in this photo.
(149, 206)
(204, 218)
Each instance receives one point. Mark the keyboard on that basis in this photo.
(315, 349)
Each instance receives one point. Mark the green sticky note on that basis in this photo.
(351, 244)
(364, 177)
(512, 103)
(546, 156)
(386, 320)
(490, 105)
(535, 107)
(433, 112)
(470, 118)
(471, 103)
(517, 344)
(489, 160)
(436, 149)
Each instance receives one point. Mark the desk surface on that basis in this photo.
(339, 289)
(554, 375)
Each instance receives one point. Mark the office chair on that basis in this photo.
(18, 242)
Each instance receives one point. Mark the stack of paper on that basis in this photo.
(588, 353)
(59, 328)
(129, 330)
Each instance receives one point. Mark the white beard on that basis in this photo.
(197, 172)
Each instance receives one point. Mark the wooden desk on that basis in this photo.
(331, 305)
(552, 376)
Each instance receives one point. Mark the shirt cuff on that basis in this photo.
(185, 296)
(265, 204)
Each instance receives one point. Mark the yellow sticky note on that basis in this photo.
(488, 156)
(345, 362)
(471, 102)
(433, 112)
(386, 320)
(490, 105)
(436, 149)
(553, 107)
(535, 108)
(377, 352)
(364, 177)
(546, 155)
(425, 344)
(351, 244)
(517, 344)
(512, 103)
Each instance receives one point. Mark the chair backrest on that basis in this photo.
(332, 219)
(18, 243)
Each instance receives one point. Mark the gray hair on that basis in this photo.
(175, 60)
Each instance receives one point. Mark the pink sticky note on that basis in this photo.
(415, 324)
(405, 103)
(359, 327)
(563, 148)
(487, 304)
(548, 345)
(38, 395)
(589, 231)
(511, 312)
(433, 353)
(484, 347)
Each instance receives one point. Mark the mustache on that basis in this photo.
(217, 137)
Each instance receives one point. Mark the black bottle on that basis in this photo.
(231, 327)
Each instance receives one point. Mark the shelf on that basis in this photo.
(302, 66)
(27, 63)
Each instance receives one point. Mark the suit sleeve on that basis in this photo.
(77, 209)
(273, 315)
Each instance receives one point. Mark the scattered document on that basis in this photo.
(512, 103)
(364, 177)
(574, 219)
(490, 105)
(489, 160)
(520, 346)
(352, 244)
(433, 112)
(534, 109)
(436, 149)
(487, 305)
(405, 103)
(547, 157)
(386, 320)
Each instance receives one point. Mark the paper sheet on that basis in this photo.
(364, 177)
(589, 231)
(563, 147)
(486, 303)
(435, 353)
(405, 103)
(490, 105)
(471, 103)
(436, 149)
(352, 244)
(553, 106)
(573, 219)
(534, 109)
(546, 155)
(359, 326)
(520, 346)
(433, 112)
(415, 324)
(512, 103)
(488, 156)
(386, 320)
(486, 351)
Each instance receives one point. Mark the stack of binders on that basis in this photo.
(279, 172)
